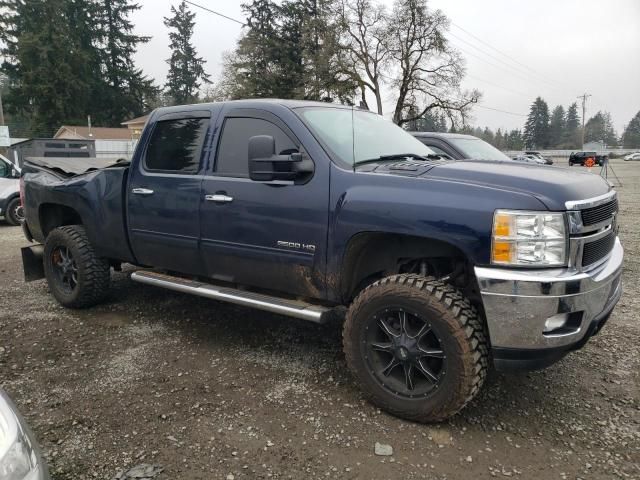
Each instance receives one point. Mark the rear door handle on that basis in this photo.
(142, 191)
(218, 198)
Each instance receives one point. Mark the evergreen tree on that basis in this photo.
(429, 122)
(307, 33)
(499, 141)
(487, 135)
(186, 69)
(572, 137)
(631, 135)
(127, 92)
(255, 70)
(515, 141)
(289, 51)
(556, 127)
(599, 128)
(536, 129)
(46, 62)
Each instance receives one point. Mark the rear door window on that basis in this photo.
(175, 145)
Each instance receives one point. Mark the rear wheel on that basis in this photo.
(416, 346)
(77, 277)
(14, 214)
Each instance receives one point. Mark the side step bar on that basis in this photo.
(291, 308)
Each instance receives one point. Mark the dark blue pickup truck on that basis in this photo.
(308, 209)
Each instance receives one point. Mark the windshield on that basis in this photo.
(476, 149)
(355, 136)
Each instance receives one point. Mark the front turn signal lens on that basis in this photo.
(536, 239)
(502, 252)
(502, 225)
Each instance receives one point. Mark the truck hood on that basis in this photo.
(553, 186)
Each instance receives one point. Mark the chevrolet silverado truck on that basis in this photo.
(437, 268)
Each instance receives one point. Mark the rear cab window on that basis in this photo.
(175, 145)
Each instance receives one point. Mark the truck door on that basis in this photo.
(163, 195)
(265, 235)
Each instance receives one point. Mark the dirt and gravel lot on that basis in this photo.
(209, 390)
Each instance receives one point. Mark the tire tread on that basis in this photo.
(468, 325)
(96, 278)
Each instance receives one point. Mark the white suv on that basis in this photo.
(10, 205)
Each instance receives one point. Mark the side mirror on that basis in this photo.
(266, 166)
(14, 173)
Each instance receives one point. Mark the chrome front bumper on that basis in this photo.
(518, 303)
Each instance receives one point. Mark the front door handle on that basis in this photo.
(218, 198)
(142, 191)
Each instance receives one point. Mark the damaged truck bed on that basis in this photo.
(86, 191)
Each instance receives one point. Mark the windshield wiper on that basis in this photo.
(401, 156)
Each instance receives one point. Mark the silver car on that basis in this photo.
(20, 457)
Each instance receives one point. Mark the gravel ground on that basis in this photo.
(208, 390)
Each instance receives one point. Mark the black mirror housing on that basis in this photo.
(266, 166)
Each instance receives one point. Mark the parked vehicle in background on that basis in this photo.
(458, 146)
(546, 160)
(528, 159)
(582, 158)
(10, 205)
(632, 156)
(308, 209)
(20, 456)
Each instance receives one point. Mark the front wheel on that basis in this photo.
(416, 346)
(77, 276)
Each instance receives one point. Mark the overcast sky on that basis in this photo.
(557, 49)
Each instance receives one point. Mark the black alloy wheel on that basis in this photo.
(65, 269)
(404, 353)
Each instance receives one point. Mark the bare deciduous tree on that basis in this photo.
(429, 69)
(365, 45)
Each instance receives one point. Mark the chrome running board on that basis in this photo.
(291, 308)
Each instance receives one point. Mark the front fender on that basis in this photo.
(451, 212)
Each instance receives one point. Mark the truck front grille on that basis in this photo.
(598, 249)
(599, 214)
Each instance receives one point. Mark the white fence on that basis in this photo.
(564, 154)
(115, 148)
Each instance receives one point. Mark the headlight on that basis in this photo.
(529, 239)
(18, 457)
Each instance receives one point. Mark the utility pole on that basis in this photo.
(1, 111)
(583, 97)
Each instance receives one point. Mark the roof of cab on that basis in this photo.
(250, 103)
(441, 135)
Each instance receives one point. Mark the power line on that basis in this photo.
(527, 95)
(215, 13)
(514, 73)
(522, 73)
(505, 55)
(501, 111)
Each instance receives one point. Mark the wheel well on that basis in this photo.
(371, 256)
(54, 216)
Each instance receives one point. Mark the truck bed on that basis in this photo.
(89, 188)
(76, 166)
